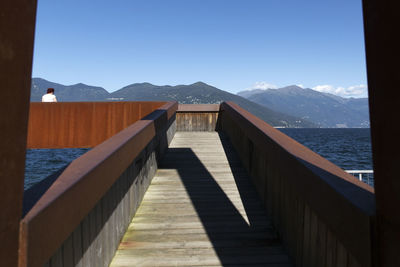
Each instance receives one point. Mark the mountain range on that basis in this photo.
(323, 109)
(197, 93)
(67, 93)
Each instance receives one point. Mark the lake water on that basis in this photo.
(350, 149)
(40, 163)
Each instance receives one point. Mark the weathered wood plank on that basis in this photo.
(68, 252)
(78, 250)
(200, 209)
(306, 238)
(292, 219)
(108, 253)
(98, 241)
(86, 242)
(205, 251)
(341, 255)
(196, 121)
(313, 239)
(351, 262)
(193, 260)
(330, 249)
(57, 259)
(113, 243)
(92, 237)
(299, 231)
(321, 244)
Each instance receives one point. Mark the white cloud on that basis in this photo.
(300, 85)
(360, 90)
(263, 86)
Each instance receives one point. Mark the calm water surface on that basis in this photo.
(40, 163)
(350, 149)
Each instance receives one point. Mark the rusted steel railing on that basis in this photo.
(324, 216)
(82, 216)
(82, 124)
(197, 117)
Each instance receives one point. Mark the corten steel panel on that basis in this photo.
(343, 203)
(381, 30)
(82, 184)
(17, 24)
(198, 108)
(81, 124)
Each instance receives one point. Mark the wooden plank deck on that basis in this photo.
(200, 210)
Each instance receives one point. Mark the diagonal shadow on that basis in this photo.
(241, 177)
(235, 237)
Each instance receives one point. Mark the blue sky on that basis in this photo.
(233, 45)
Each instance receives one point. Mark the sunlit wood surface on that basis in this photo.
(200, 210)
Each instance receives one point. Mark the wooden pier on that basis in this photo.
(201, 210)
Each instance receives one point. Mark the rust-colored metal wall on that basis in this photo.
(82, 124)
(17, 24)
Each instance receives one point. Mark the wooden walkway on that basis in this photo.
(200, 210)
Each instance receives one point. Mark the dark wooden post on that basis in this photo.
(17, 24)
(381, 25)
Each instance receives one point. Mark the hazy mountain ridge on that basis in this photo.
(326, 110)
(67, 93)
(201, 93)
(197, 93)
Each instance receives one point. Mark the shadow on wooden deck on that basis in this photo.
(237, 238)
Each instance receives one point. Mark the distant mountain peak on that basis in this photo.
(291, 87)
(142, 84)
(145, 83)
(39, 79)
(249, 92)
(254, 91)
(80, 84)
(200, 83)
(139, 85)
